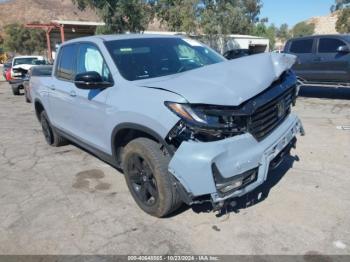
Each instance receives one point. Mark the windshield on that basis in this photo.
(28, 61)
(154, 57)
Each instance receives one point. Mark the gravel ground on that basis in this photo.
(65, 201)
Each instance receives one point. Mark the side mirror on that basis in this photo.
(91, 80)
(343, 49)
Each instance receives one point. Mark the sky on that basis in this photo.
(294, 11)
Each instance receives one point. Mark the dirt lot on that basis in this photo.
(65, 201)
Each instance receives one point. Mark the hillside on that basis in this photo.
(324, 24)
(26, 11)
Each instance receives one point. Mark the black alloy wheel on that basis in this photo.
(142, 180)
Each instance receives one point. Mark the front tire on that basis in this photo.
(51, 136)
(145, 167)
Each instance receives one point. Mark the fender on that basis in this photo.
(141, 128)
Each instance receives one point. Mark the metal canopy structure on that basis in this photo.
(58, 31)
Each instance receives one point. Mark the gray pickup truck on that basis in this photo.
(179, 120)
(321, 59)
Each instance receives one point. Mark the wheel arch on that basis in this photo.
(39, 107)
(124, 133)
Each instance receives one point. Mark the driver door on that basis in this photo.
(90, 110)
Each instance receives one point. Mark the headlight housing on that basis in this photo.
(209, 122)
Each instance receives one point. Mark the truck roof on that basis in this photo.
(121, 37)
(30, 56)
(345, 36)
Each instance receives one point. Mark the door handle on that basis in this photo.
(52, 87)
(72, 93)
(318, 59)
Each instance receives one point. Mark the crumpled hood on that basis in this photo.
(23, 66)
(226, 83)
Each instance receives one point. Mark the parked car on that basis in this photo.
(8, 74)
(322, 59)
(6, 67)
(183, 123)
(34, 77)
(21, 65)
(19, 70)
(236, 53)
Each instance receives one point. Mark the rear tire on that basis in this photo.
(145, 167)
(15, 91)
(51, 136)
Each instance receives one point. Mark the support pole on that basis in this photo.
(62, 33)
(48, 40)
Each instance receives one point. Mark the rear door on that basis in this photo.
(61, 90)
(329, 64)
(304, 49)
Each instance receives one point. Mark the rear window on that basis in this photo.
(25, 61)
(301, 46)
(329, 45)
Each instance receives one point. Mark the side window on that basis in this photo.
(329, 45)
(302, 46)
(66, 62)
(90, 59)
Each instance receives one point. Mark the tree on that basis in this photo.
(343, 23)
(179, 15)
(283, 32)
(339, 5)
(120, 16)
(303, 29)
(22, 40)
(269, 32)
(252, 9)
(222, 17)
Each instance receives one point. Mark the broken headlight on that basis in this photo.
(207, 122)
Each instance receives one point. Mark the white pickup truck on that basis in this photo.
(19, 69)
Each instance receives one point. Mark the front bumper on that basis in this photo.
(192, 162)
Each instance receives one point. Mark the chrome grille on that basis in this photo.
(269, 116)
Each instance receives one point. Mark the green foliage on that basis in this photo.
(268, 32)
(252, 8)
(178, 15)
(120, 16)
(212, 17)
(283, 32)
(303, 29)
(340, 4)
(220, 17)
(22, 40)
(343, 23)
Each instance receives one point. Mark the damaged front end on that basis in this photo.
(208, 123)
(223, 151)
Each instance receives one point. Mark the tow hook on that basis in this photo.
(218, 206)
(222, 207)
